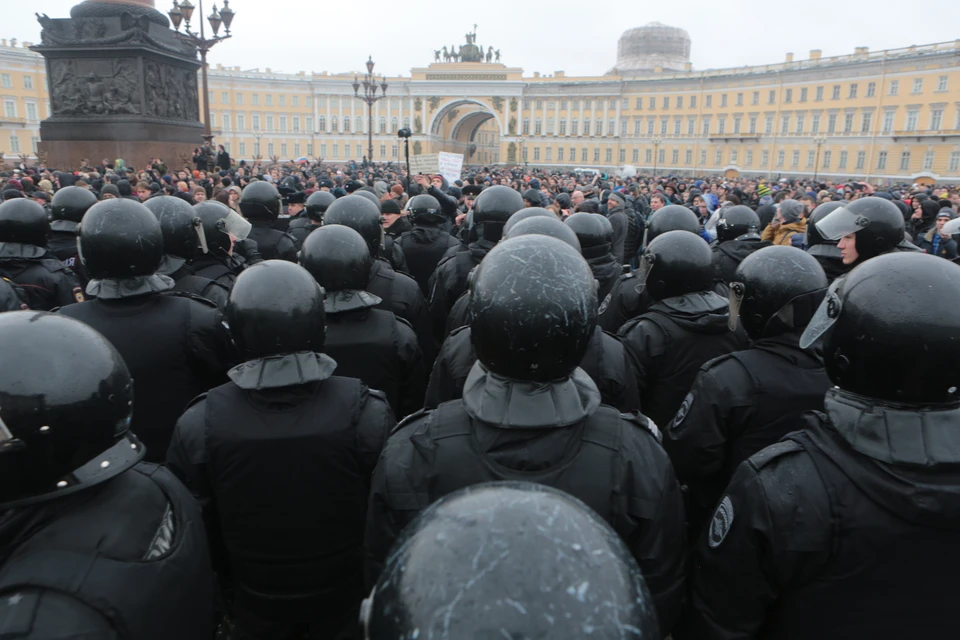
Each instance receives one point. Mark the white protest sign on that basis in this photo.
(451, 165)
(425, 163)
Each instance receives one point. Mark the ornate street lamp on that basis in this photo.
(370, 97)
(183, 12)
(819, 141)
(656, 153)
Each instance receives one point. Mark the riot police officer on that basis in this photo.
(260, 204)
(596, 244)
(743, 401)
(221, 226)
(312, 217)
(281, 459)
(397, 291)
(504, 540)
(175, 345)
(628, 298)
(370, 344)
(684, 326)
(859, 506)
(529, 412)
(864, 229)
(24, 258)
(67, 209)
(96, 544)
(825, 250)
(425, 245)
(183, 238)
(491, 210)
(738, 236)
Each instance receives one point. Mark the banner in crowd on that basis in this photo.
(449, 165)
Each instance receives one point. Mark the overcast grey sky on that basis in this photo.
(577, 37)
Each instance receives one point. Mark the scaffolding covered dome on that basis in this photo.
(643, 49)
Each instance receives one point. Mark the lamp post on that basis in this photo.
(256, 149)
(819, 141)
(370, 97)
(656, 153)
(183, 12)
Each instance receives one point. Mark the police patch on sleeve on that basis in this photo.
(605, 303)
(722, 521)
(681, 413)
(78, 294)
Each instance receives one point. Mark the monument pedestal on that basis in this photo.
(121, 84)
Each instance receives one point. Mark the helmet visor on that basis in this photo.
(201, 235)
(841, 222)
(825, 250)
(7, 441)
(825, 316)
(647, 261)
(235, 225)
(737, 291)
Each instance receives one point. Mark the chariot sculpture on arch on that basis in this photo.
(468, 52)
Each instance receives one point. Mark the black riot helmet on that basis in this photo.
(337, 257)
(546, 227)
(369, 195)
(534, 307)
(877, 223)
(317, 204)
(24, 221)
(776, 290)
(362, 216)
(260, 201)
(68, 206)
(221, 225)
(523, 214)
(816, 244)
(276, 308)
(181, 226)
(672, 217)
(120, 238)
(893, 323)
(675, 263)
(493, 207)
(736, 221)
(594, 232)
(539, 564)
(425, 209)
(66, 398)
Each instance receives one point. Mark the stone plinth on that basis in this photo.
(121, 84)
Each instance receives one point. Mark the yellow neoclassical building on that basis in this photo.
(889, 115)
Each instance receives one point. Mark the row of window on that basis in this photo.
(853, 90)
(15, 147)
(281, 100)
(825, 161)
(272, 147)
(796, 124)
(281, 123)
(6, 81)
(10, 109)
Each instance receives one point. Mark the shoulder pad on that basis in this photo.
(611, 335)
(627, 276)
(290, 237)
(715, 362)
(53, 265)
(766, 456)
(404, 321)
(444, 261)
(17, 611)
(192, 296)
(644, 423)
(200, 398)
(410, 419)
(628, 325)
(458, 330)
